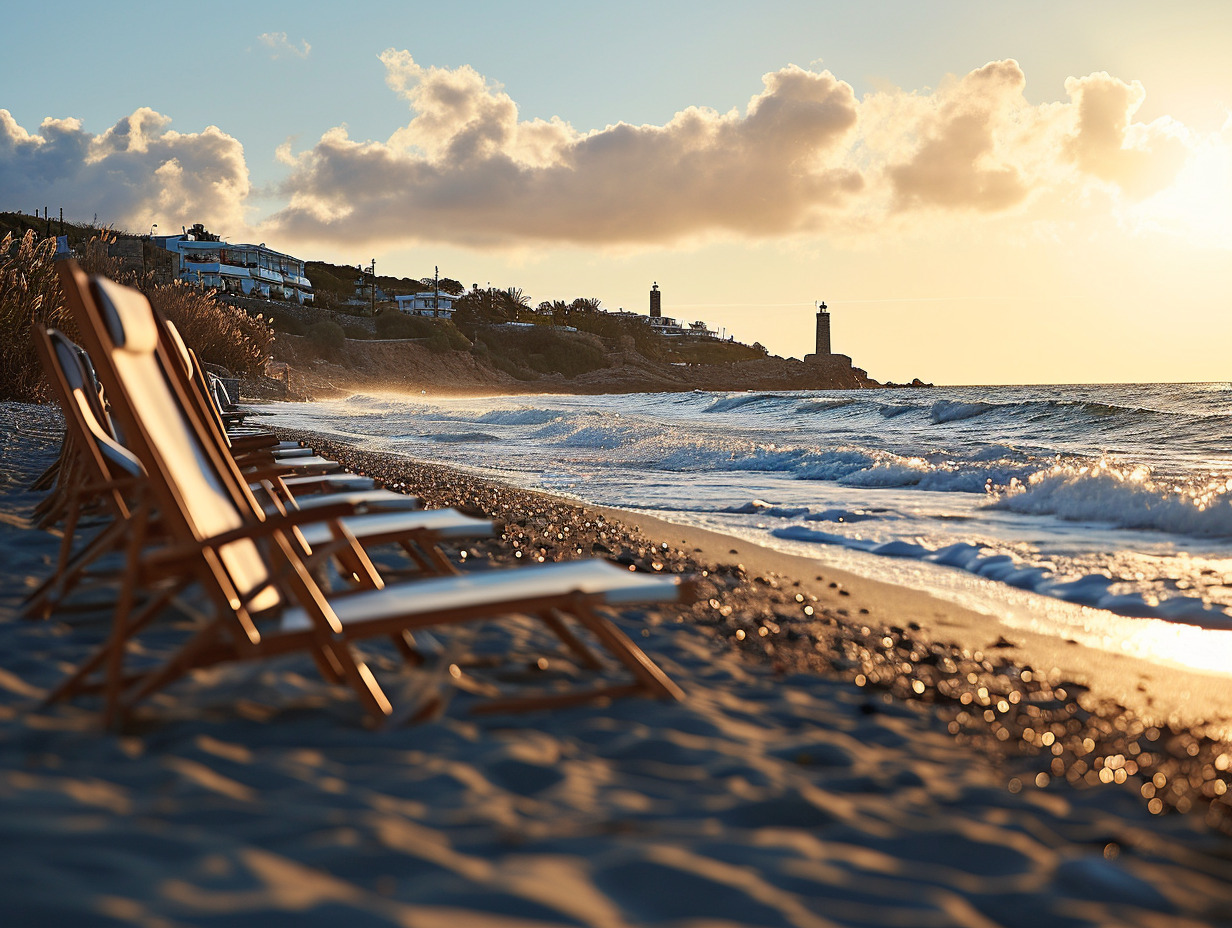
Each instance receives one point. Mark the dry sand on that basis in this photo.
(804, 782)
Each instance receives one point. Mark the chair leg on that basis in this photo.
(361, 680)
(120, 621)
(624, 650)
(41, 602)
(179, 664)
(327, 665)
(553, 621)
(77, 680)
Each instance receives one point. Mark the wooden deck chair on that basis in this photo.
(109, 471)
(417, 532)
(269, 461)
(266, 601)
(99, 472)
(63, 478)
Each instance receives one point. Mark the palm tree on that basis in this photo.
(513, 301)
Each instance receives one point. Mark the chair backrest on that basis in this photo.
(88, 442)
(195, 383)
(94, 391)
(76, 389)
(198, 489)
(218, 390)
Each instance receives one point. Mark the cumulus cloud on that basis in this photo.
(1140, 159)
(280, 46)
(467, 169)
(965, 158)
(135, 173)
(804, 156)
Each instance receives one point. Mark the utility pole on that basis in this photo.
(374, 286)
(436, 290)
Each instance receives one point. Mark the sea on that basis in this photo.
(1096, 513)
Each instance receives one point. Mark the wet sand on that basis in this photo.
(844, 758)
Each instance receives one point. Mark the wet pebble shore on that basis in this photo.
(1045, 731)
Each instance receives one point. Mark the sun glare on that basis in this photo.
(1198, 205)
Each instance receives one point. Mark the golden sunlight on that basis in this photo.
(1198, 205)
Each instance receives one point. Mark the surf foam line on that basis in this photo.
(1091, 590)
(1126, 497)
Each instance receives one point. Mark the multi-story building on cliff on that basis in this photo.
(245, 270)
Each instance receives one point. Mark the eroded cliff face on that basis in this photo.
(410, 366)
(760, 374)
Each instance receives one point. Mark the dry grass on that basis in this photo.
(220, 334)
(30, 294)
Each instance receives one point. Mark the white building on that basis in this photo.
(246, 270)
(427, 303)
(670, 328)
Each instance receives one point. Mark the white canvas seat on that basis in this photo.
(511, 590)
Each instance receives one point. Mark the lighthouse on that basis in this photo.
(656, 302)
(823, 330)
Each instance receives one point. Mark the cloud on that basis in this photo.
(468, 170)
(803, 157)
(280, 45)
(135, 173)
(1140, 159)
(963, 160)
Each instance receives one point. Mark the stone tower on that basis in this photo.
(656, 305)
(823, 330)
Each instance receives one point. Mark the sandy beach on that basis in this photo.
(849, 753)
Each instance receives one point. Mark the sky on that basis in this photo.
(982, 193)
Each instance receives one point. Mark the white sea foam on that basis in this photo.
(1129, 497)
(524, 416)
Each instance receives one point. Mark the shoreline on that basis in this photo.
(1116, 701)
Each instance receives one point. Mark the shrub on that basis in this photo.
(551, 352)
(283, 321)
(457, 341)
(399, 325)
(351, 330)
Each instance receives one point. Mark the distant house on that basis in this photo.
(427, 303)
(245, 270)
